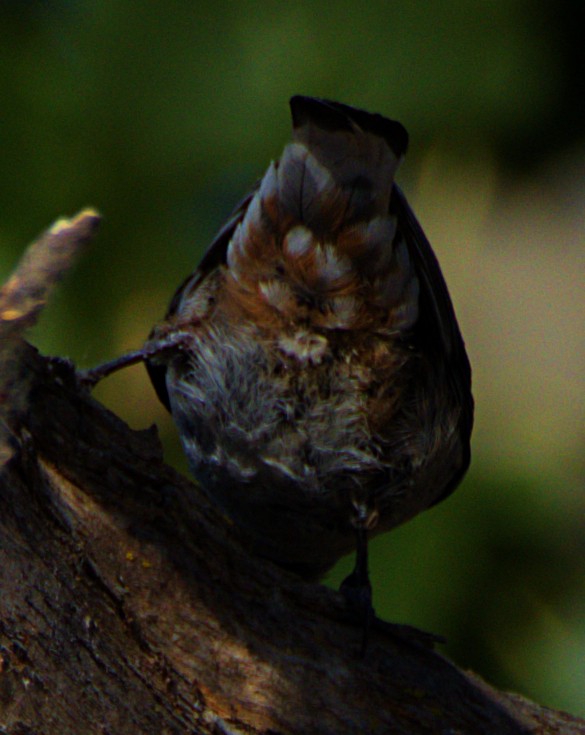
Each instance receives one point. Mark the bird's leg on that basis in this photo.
(356, 587)
(159, 344)
(92, 376)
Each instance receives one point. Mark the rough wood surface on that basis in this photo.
(130, 605)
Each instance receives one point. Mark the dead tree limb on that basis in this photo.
(129, 604)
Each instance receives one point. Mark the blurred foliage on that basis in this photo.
(162, 114)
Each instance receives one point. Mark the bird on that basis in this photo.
(312, 362)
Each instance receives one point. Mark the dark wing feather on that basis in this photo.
(214, 255)
(437, 327)
(212, 258)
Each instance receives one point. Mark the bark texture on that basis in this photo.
(129, 604)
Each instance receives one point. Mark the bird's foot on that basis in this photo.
(358, 596)
(407, 633)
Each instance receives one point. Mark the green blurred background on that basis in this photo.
(161, 114)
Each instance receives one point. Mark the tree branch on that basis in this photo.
(130, 604)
